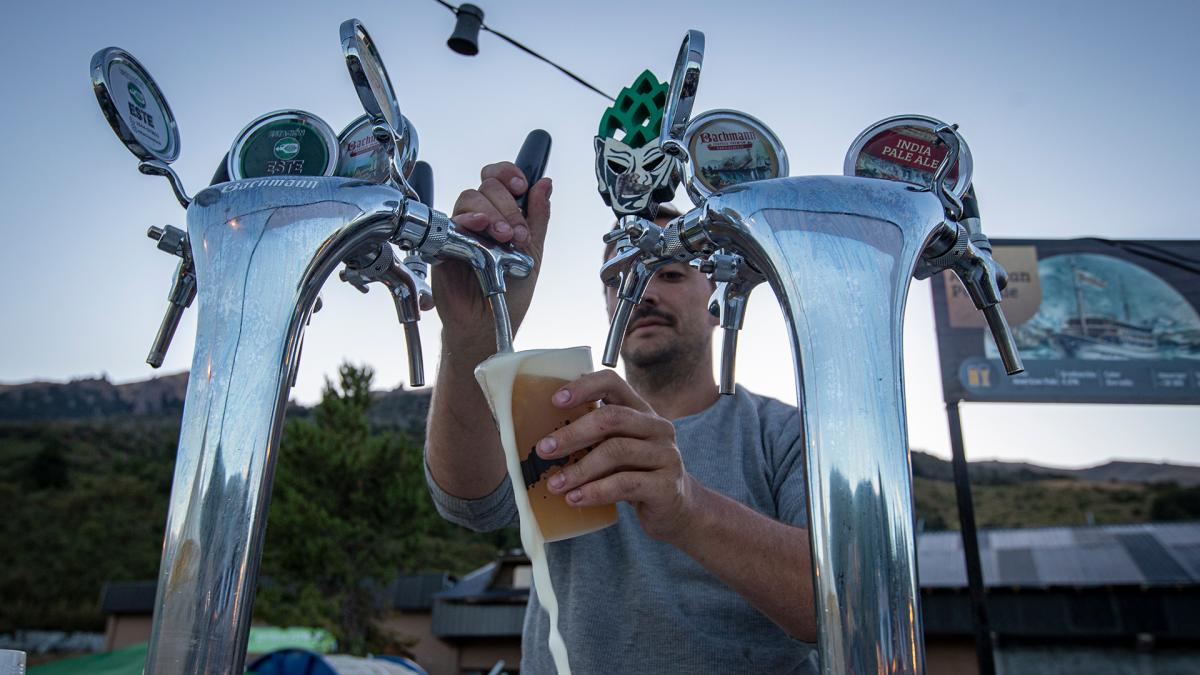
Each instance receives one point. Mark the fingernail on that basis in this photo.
(517, 184)
(502, 227)
(574, 496)
(547, 445)
(520, 234)
(478, 215)
(549, 188)
(557, 481)
(562, 396)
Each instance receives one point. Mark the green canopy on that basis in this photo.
(124, 661)
(131, 660)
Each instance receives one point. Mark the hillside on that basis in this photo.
(86, 466)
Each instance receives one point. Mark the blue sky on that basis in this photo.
(1080, 116)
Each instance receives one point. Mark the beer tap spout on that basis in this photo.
(735, 279)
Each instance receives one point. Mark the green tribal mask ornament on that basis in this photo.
(634, 174)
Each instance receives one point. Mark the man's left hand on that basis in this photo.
(633, 458)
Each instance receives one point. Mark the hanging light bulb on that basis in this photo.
(465, 39)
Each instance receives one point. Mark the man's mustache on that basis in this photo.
(645, 312)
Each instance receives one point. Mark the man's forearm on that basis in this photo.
(767, 562)
(462, 446)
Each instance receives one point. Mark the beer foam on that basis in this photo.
(496, 376)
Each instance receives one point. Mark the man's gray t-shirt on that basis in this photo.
(631, 604)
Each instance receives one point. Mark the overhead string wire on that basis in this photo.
(529, 51)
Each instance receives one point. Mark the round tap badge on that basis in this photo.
(284, 143)
(134, 105)
(362, 155)
(726, 148)
(906, 149)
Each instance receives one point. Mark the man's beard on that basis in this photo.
(670, 361)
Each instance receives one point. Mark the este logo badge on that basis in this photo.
(136, 94)
(287, 148)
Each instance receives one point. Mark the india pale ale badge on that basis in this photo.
(906, 148)
(727, 148)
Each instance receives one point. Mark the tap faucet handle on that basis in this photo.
(421, 181)
(954, 247)
(411, 294)
(183, 292)
(982, 276)
(532, 160)
(436, 239)
(685, 80)
(948, 134)
(634, 280)
(735, 279)
(730, 309)
(172, 240)
(156, 167)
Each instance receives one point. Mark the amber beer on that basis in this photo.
(530, 379)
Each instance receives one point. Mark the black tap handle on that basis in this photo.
(532, 160)
(421, 180)
(221, 175)
(970, 204)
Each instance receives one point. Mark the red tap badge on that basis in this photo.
(905, 149)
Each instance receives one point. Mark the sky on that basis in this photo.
(1079, 116)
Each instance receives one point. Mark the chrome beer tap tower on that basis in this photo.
(299, 201)
(839, 252)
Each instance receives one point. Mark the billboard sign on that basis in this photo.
(1096, 321)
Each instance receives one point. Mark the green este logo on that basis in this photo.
(136, 94)
(287, 148)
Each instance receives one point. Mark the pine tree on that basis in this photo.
(350, 511)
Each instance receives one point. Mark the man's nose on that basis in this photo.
(651, 295)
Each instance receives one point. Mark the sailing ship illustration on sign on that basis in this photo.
(1098, 307)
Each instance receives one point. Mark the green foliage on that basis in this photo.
(84, 503)
(1171, 502)
(79, 509)
(350, 511)
(1034, 503)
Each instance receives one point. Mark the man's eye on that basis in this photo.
(671, 276)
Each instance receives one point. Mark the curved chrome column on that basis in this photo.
(262, 250)
(839, 253)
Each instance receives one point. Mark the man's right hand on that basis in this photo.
(491, 211)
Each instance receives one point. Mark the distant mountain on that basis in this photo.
(93, 399)
(402, 409)
(991, 472)
(97, 399)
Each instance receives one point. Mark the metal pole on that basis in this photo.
(966, 521)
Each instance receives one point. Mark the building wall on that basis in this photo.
(481, 655)
(122, 630)
(950, 657)
(434, 655)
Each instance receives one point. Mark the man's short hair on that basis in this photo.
(665, 212)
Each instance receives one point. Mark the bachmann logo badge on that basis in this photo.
(136, 94)
(287, 148)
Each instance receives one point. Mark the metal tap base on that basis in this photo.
(839, 253)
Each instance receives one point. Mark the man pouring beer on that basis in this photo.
(707, 568)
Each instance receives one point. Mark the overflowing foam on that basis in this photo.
(497, 376)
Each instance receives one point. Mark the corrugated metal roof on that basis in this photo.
(1105, 555)
(1153, 559)
(1017, 568)
(1189, 555)
(457, 620)
(128, 597)
(415, 591)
